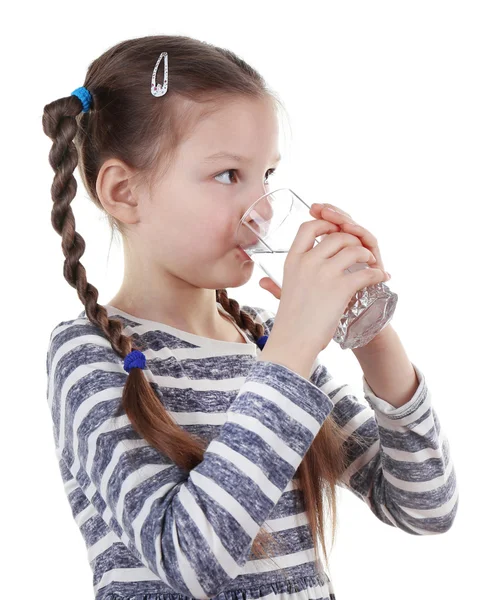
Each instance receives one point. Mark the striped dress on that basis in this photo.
(154, 531)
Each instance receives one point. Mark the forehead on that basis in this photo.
(241, 129)
(225, 155)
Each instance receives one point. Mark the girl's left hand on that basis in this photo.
(345, 223)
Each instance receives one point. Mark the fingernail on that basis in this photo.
(389, 276)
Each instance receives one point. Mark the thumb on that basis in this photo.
(270, 286)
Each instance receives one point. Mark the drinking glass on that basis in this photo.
(266, 232)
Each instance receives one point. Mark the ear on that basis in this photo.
(115, 191)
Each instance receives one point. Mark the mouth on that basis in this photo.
(253, 242)
(243, 252)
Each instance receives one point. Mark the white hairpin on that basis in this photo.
(156, 89)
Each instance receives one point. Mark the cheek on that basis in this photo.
(202, 232)
(219, 235)
(197, 240)
(212, 231)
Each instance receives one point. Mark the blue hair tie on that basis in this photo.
(262, 341)
(85, 97)
(134, 359)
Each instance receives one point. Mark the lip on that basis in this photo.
(252, 242)
(243, 252)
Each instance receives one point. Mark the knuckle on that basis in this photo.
(350, 239)
(363, 251)
(358, 250)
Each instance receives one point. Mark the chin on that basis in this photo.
(238, 275)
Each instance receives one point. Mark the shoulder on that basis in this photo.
(265, 316)
(77, 342)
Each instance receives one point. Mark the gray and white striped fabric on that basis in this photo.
(157, 532)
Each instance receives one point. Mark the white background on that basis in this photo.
(395, 117)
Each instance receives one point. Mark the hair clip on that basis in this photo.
(156, 89)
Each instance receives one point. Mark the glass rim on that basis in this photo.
(242, 220)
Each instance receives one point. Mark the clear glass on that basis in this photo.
(266, 232)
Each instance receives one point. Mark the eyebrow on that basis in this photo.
(228, 155)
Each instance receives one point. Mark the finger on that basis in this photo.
(340, 210)
(333, 244)
(322, 208)
(374, 275)
(367, 238)
(270, 286)
(306, 234)
(337, 228)
(333, 217)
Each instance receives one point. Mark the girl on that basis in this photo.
(195, 458)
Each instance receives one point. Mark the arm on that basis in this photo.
(387, 368)
(193, 530)
(400, 463)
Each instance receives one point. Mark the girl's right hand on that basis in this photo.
(315, 289)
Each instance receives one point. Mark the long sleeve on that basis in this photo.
(400, 462)
(194, 530)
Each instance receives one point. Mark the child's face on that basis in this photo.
(187, 228)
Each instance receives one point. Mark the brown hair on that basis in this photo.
(125, 121)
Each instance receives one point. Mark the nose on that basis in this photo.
(262, 210)
(257, 215)
(261, 206)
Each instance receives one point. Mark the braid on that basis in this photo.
(242, 318)
(59, 123)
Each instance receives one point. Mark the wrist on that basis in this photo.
(377, 343)
(287, 352)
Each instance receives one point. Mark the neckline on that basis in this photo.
(249, 347)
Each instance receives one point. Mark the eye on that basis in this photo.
(268, 173)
